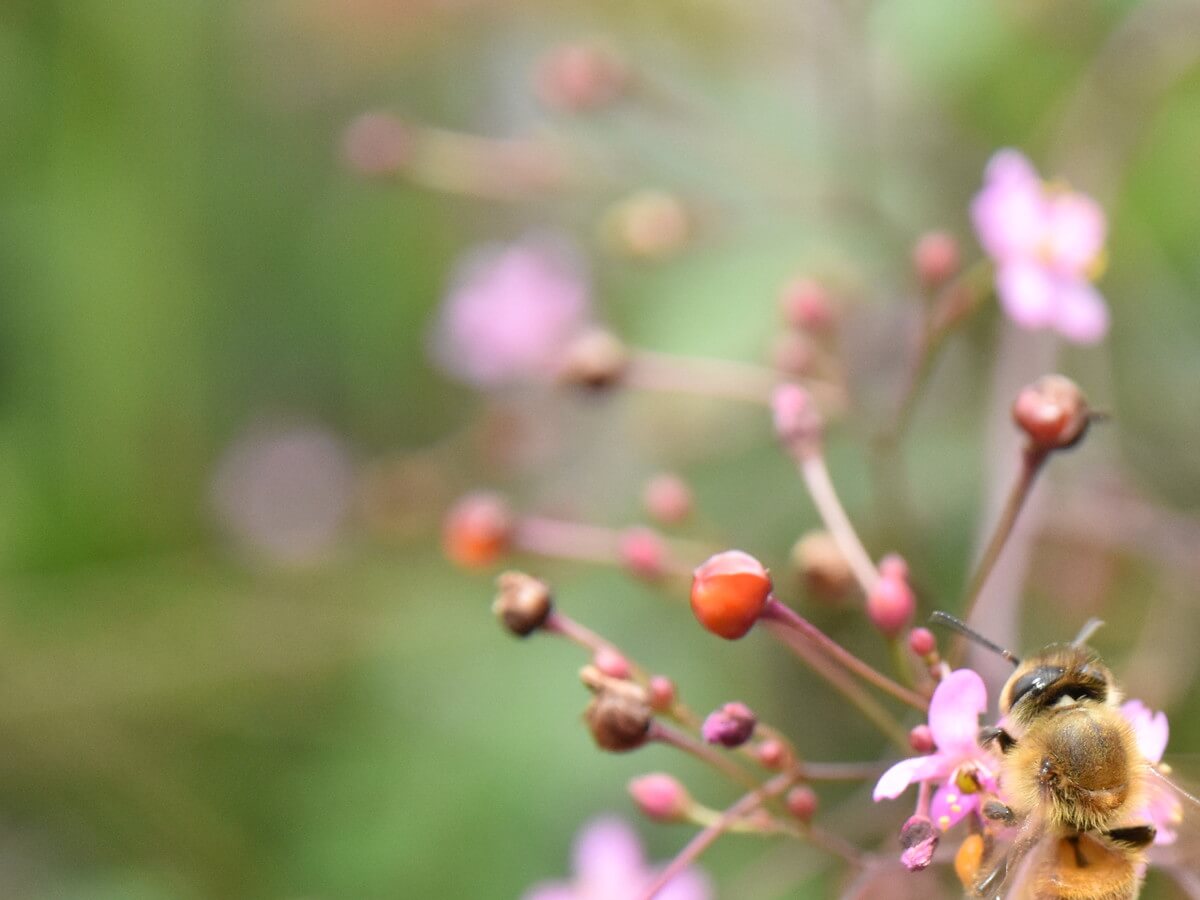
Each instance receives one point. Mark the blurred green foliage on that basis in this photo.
(184, 256)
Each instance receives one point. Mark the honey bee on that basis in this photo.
(1073, 780)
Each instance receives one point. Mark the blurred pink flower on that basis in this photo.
(1163, 808)
(511, 312)
(609, 865)
(1047, 242)
(958, 762)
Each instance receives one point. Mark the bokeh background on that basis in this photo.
(233, 662)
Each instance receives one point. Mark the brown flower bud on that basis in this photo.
(822, 566)
(596, 359)
(522, 602)
(619, 715)
(1053, 412)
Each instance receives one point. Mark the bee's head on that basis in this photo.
(1061, 675)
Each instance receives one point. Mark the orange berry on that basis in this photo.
(729, 591)
(477, 530)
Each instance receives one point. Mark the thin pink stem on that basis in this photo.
(582, 542)
(833, 514)
(788, 617)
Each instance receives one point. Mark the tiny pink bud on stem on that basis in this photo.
(806, 305)
(661, 797)
(611, 663)
(662, 693)
(936, 258)
(643, 553)
(1052, 412)
(921, 739)
(667, 498)
(730, 726)
(891, 602)
(802, 802)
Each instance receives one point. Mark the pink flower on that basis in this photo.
(511, 312)
(610, 865)
(959, 763)
(1163, 809)
(1047, 243)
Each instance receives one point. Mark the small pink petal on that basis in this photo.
(1009, 166)
(1010, 213)
(1150, 728)
(1027, 293)
(1080, 313)
(608, 856)
(1075, 232)
(892, 783)
(690, 884)
(954, 712)
(950, 805)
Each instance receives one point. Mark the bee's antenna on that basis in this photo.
(967, 631)
(1090, 627)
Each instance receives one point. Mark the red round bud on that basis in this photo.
(667, 498)
(661, 797)
(772, 753)
(643, 552)
(477, 530)
(922, 642)
(579, 77)
(921, 739)
(662, 693)
(806, 305)
(1053, 412)
(522, 602)
(891, 602)
(729, 591)
(802, 802)
(936, 258)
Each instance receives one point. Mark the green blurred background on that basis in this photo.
(187, 265)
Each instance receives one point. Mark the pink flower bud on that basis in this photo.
(936, 258)
(891, 603)
(377, 143)
(772, 753)
(921, 739)
(730, 726)
(802, 802)
(806, 305)
(611, 663)
(919, 839)
(643, 552)
(667, 498)
(922, 642)
(477, 530)
(662, 693)
(1053, 412)
(580, 77)
(798, 422)
(661, 797)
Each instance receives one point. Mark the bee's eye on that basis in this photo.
(1035, 682)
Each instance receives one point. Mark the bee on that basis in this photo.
(1072, 776)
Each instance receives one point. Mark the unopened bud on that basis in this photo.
(802, 802)
(377, 143)
(661, 693)
(595, 359)
(667, 498)
(477, 530)
(771, 753)
(819, 560)
(798, 422)
(919, 839)
(922, 642)
(619, 716)
(611, 663)
(643, 552)
(1053, 412)
(729, 591)
(579, 77)
(522, 602)
(890, 602)
(936, 258)
(649, 225)
(806, 305)
(661, 797)
(921, 739)
(730, 726)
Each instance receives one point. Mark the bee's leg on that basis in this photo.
(1003, 739)
(999, 812)
(1135, 836)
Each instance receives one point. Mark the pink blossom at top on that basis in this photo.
(609, 865)
(1163, 808)
(1047, 242)
(510, 312)
(958, 761)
